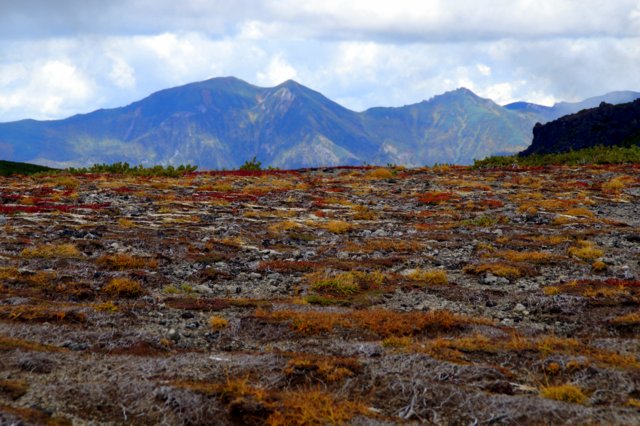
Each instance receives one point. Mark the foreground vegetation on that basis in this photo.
(595, 155)
(8, 168)
(445, 295)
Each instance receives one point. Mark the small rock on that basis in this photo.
(202, 289)
(519, 307)
(342, 255)
(75, 346)
(633, 238)
(380, 233)
(421, 307)
(173, 335)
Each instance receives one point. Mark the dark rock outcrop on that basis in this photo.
(606, 125)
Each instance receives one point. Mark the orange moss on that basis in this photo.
(34, 416)
(336, 226)
(566, 393)
(380, 244)
(287, 225)
(254, 405)
(324, 368)
(380, 173)
(537, 257)
(628, 320)
(48, 251)
(123, 287)
(10, 343)
(429, 277)
(217, 323)
(585, 250)
(498, 269)
(383, 323)
(40, 314)
(364, 213)
(13, 389)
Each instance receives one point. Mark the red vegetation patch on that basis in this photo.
(47, 208)
(435, 198)
(245, 173)
(225, 196)
(140, 349)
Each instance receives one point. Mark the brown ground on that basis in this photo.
(348, 295)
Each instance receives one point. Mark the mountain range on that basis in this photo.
(222, 122)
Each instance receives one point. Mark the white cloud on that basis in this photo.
(278, 71)
(360, 53)
(483, 69)
(122, 74)
(49, 89)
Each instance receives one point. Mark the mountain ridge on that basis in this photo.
(223, 121)
(605, 125)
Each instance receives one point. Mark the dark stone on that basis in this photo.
(606, 125)
(633, 238)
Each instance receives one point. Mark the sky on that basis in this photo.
(63, 57)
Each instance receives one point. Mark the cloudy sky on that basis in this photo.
(61, 57)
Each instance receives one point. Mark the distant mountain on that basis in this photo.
(455, 127)
(606, 125)
(222, 122)
(543, 114)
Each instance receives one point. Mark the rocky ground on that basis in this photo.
(347, 295)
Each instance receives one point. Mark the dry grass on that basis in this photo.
(498, 269)
(429, 276)
(249, 404)
(287, 225)
(380, 173)
(535, 257)
(50, 251)
(13, 389)
(40, 314)
(336, 226)
(326, 369)
(217, 323)
(585, 250)
(126, 223)
(364, 213)
(566, 393)
(628, 320)
(123, 287)
(382, 323)
(10, 343)
(617, 184)
(345, 284)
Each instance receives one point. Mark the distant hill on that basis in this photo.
(543, 114)
(606, 125)
(222, 122)
(8, 168)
